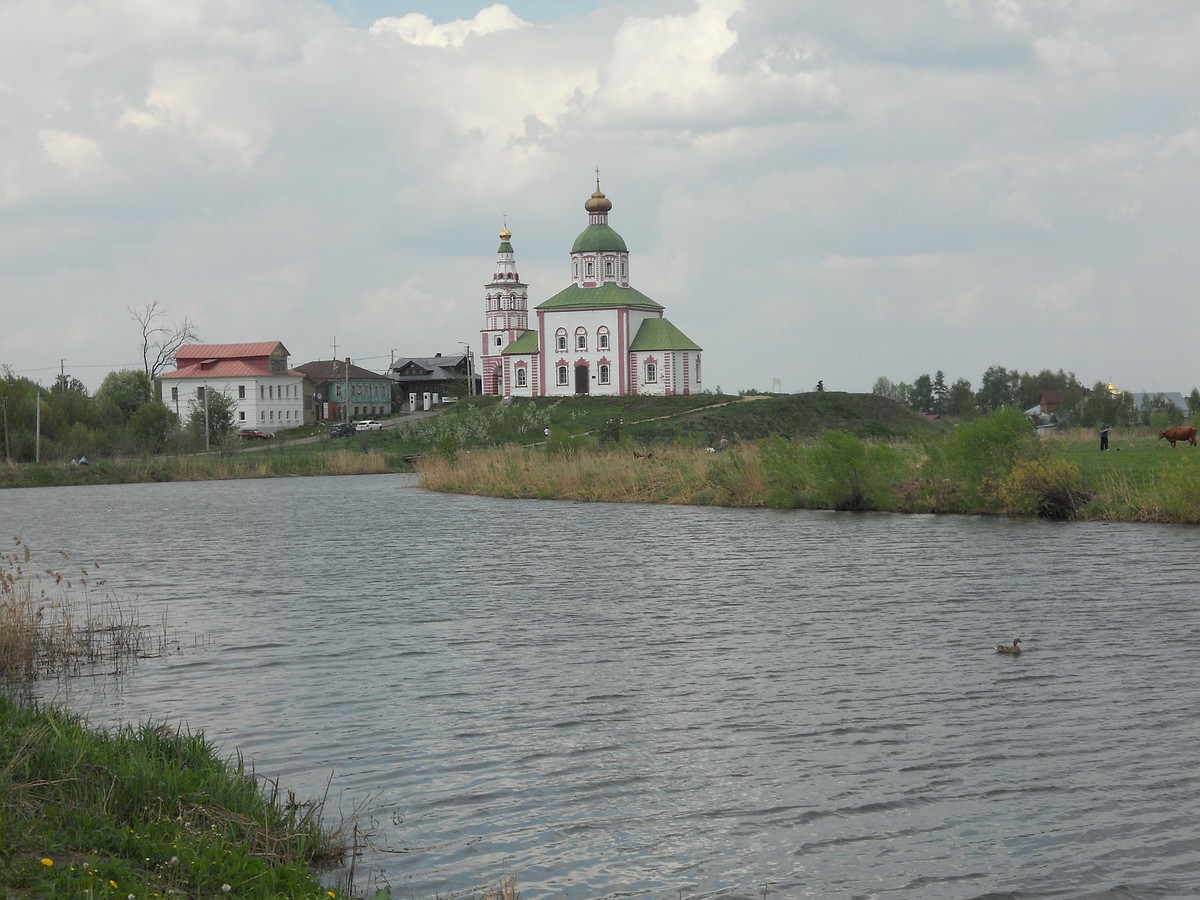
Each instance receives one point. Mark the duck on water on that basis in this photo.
(1013, 649)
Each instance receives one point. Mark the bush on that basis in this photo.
(1051, 488)
(851, 475)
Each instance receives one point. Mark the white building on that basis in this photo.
(267, 395)
(598, 335)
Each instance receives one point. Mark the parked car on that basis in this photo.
(249, 434)
(341, 429)
(369, 425)
(449, 399)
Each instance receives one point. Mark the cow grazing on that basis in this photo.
(1183, 433)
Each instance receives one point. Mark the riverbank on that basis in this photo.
(145, 812)
(993, 466)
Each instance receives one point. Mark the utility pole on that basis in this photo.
(7, 451)
(347, 390)
(37, 442)
(207, 444)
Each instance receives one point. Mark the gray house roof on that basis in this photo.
(1144, 398)
(431, 369)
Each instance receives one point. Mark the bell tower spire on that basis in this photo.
(506, 313)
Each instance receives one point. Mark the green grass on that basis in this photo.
(144, 812)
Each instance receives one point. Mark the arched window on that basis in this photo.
(608, 268)
(562, 375)
(580, 338)
(603, 373)
(651, 372)
(560, 339)
(522, 377)
(602, 338)
(590, 269)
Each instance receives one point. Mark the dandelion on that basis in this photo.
(47, 861)
(112, 884)
(226, 888)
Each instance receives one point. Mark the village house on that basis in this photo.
(342, 391)
(267, 395)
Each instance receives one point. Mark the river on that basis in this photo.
(656, 701)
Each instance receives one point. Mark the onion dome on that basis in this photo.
(505, 234)
(597, 203)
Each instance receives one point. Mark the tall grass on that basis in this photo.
(57, 621)
(997, 465)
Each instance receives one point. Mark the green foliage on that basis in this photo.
(216, 410)
(143, 811)
(978, 455)
(850, 475)
(1101, 405)
(1050, 487)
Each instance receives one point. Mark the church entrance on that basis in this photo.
(498, 381)
(581, 379)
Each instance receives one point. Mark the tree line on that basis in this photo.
(1000, 387)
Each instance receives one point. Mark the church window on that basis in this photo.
(624, 268)
(580, 339)
(575, 271)
(499, 341)
(608, 268)
(590, 269)
(603, 374)
(562, 374)
(522, 377)
(651, 373)
(560, 339)
(602, 339)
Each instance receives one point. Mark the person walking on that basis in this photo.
(1103, 436)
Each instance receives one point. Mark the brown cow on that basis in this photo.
(1183, 433)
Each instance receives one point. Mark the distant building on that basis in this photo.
(599, 335)
(267, 395)
(416, 376)
(343, 391)
(1144, 399)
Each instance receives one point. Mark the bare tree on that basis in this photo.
(159, 342)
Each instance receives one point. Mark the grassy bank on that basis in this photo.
(996, 465)
(144, 812)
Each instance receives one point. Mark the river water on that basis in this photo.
(650, 701)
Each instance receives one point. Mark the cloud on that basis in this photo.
(421, 31)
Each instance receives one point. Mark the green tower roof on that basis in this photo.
(599, 239)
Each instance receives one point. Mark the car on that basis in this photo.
(449, 399)
(341, 429)
(368, 425)
(249, 434)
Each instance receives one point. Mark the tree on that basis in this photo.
(159, 342)
(219, 416)
(960, 400)
(921, 397)
(151, 425)
(1193, 402)
(998, 389)
(940, 392)
(125, 390)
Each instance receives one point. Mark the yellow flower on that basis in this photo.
(112, 884)
(330, 894)
(46, 861)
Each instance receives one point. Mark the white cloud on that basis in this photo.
(71, 152)
(420, 30)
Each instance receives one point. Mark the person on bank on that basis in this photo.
(1103, 435)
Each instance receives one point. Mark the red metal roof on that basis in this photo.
(225, 351)
(225, 368)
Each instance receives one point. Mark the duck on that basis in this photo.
(1013, 649)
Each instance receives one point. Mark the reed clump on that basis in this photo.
(56, 621)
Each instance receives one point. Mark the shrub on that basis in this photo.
(1051, 488)
(851, 475)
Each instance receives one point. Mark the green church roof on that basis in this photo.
(526, 343)
(599, 239)
(659, 334)
(607, 295)
(505, 247)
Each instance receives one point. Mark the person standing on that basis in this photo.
(1103, 436)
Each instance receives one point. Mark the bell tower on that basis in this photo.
(506, 314)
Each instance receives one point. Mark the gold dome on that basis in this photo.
(598, 203)
(505, 234)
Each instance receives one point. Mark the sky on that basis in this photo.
(813, 190)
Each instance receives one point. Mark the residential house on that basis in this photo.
(416, 376)
(334, 380)
(267, 395)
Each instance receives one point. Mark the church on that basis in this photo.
(596, 336)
